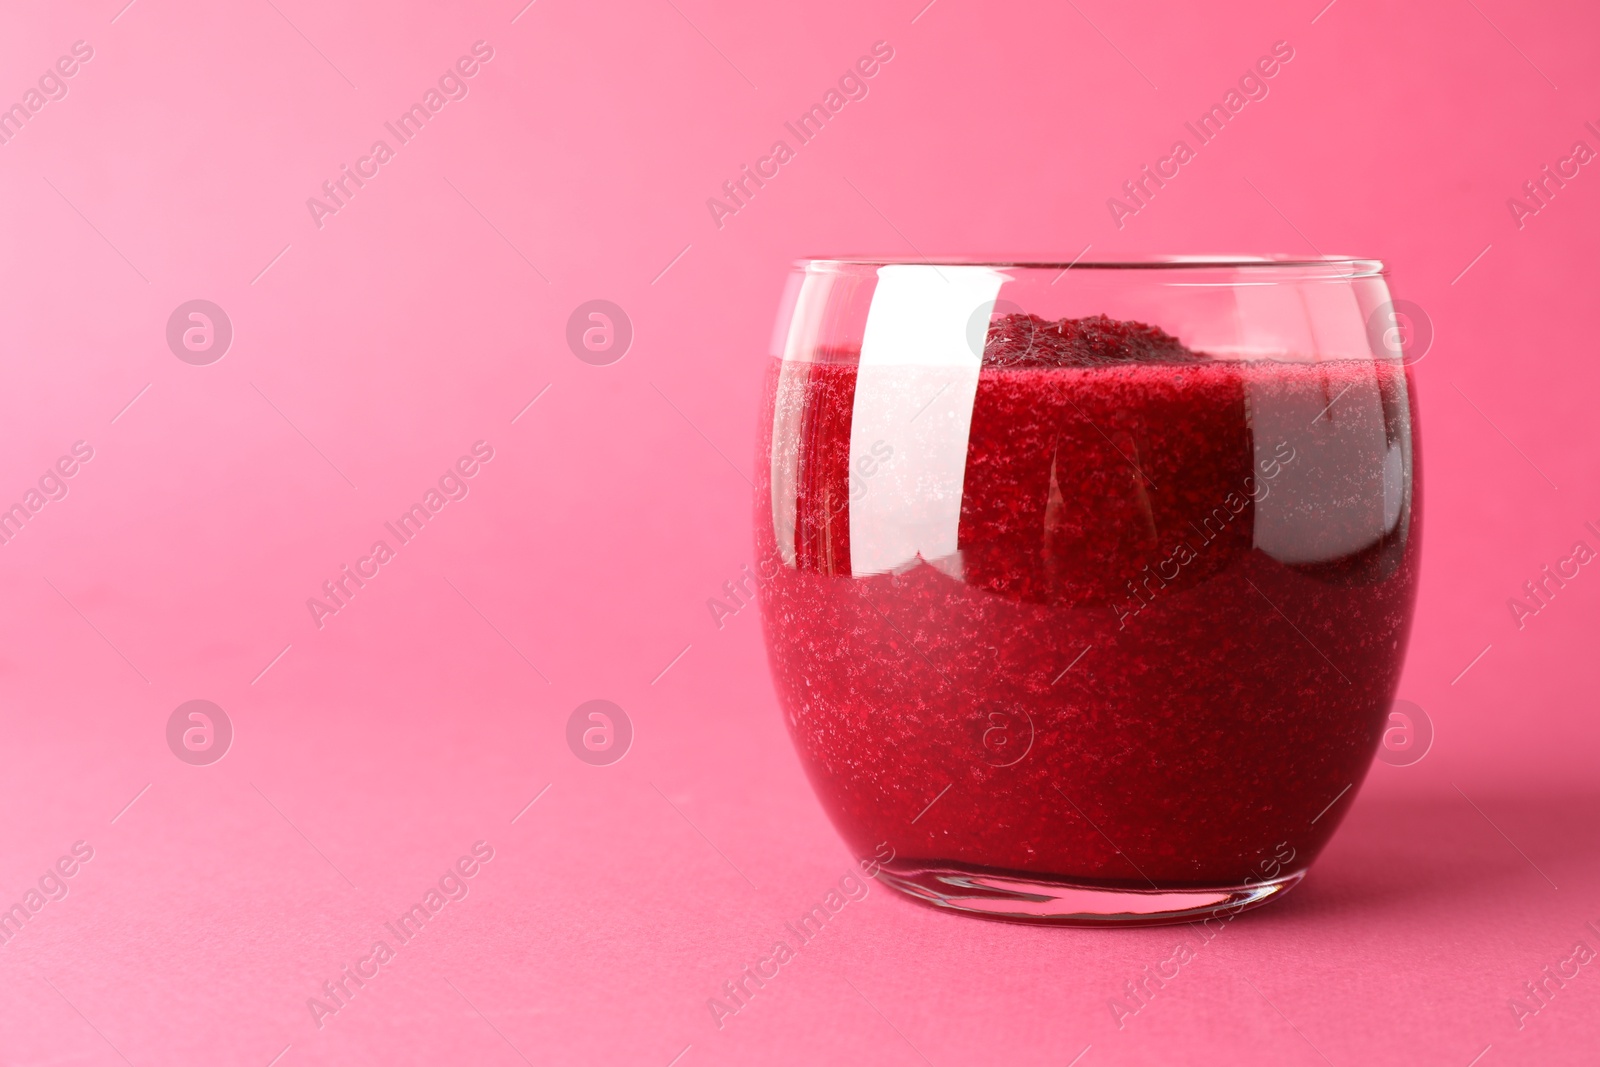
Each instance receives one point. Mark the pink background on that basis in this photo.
(377, 348)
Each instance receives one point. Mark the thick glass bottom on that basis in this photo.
(1044, 901)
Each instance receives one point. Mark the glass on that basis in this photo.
(1086, 589)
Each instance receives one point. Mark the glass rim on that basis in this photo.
(1337, 265)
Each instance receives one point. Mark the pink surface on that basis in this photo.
(372, 351)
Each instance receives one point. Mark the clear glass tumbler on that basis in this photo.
(1086, 589)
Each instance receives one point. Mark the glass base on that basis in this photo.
(1044, 901)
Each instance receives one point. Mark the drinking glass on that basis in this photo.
(1086, 588)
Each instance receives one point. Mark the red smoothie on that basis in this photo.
(1164, 650)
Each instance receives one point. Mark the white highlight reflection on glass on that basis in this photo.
(1342, 491)
(914, 394)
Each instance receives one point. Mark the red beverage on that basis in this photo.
(1162, 654)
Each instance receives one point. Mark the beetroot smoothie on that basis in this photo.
(1164, 649)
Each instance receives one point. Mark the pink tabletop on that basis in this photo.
(410, 736)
